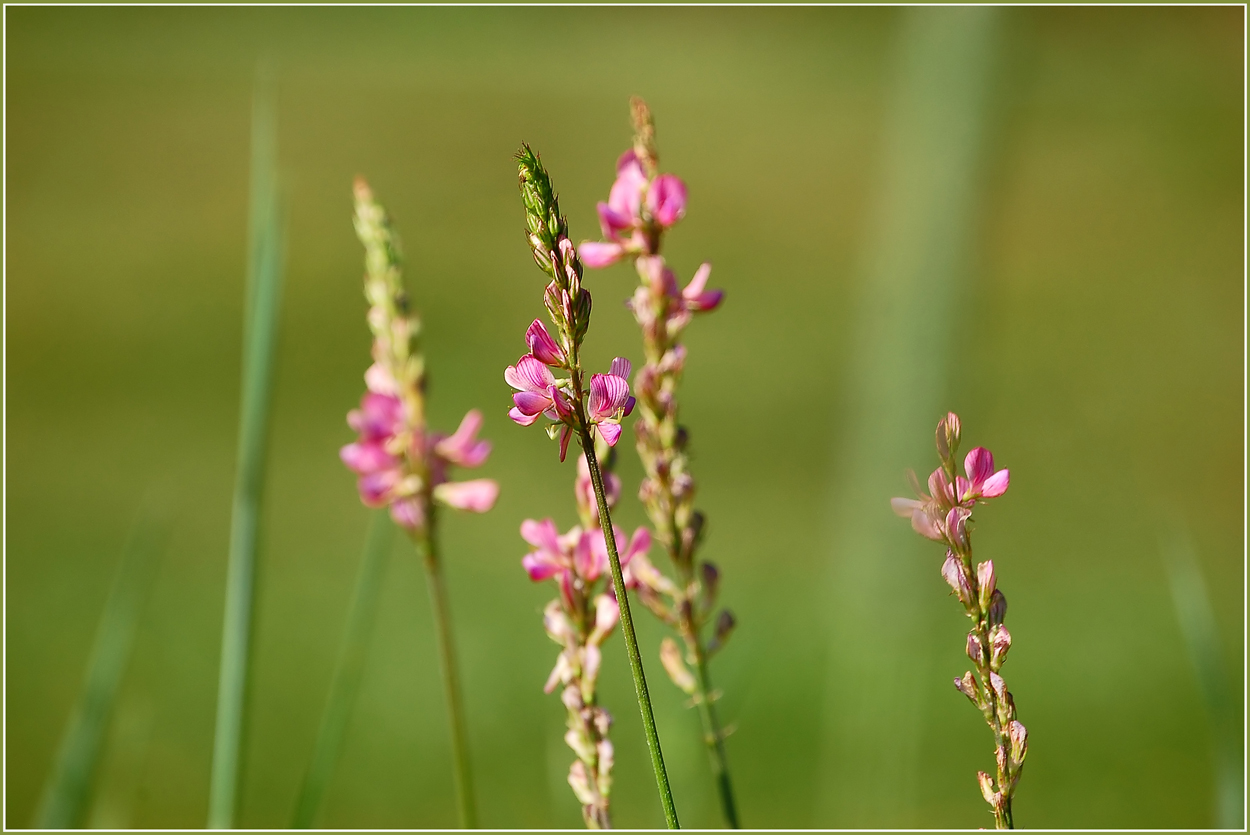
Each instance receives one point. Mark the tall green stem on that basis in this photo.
(260, 337)
(428, 544)
(345, 683)
(713, 736)
(627, 627)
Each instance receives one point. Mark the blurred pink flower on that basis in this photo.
(621, 218)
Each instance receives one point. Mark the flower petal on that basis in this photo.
(408, 513)
(531, 402)
(996, 484)
(610, 432)
(621, 368)
(542, 535)
(565, 434)
(608, 394)
(520, 417)
(367, 457)
(904, 507)
(476, 496)
(542, 347)
(528, 374)
(463, 447)
(667, 199)
(979, 465)
(639, 543)
(597, 254)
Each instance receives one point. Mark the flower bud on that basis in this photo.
(986, 583)
(581, 745)
(1000, 642)
(999, 687)
(1019, 741)
(957, 528)
(724, 628)
(602, 721)
(607, 757)
(976, 651)
(998, 608)
(1000, 758)
(711, 582)
(948, 430)
(968, 686)
(580, 782)
(987, 789)
(557, 623)
(571, 696)
(670, 657)
(953, 572)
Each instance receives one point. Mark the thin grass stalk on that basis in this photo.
(1196, 616)
(427, 543)
(627, 629)
(260, 336)
(348, 668)
(66, 793)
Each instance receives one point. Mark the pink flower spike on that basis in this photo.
(408, 514)
(542, 347)
(697, 298)
(476, 496)
(597, 254)
(367, 457)
(667, 200)
(463, 448)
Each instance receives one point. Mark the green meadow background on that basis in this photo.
(1097, 349)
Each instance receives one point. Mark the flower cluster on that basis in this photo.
(580, 619)
(400, 463)
(943, 515)
(642, 205)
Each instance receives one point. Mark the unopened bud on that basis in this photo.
(602, 721)
(670, 657)
(580, 782)
(581, 745)
(711, 582)
(968, 686)
(1019, 741)
(976, 651)
(571, 696)
(724, 628)
(557, 623)
(957, 528)
(954, 574)
(998, 608)
(948, 430)
(1000, 642)
(986, 583)
(1000, 758)
(607, 757)
(987, 789)
(999, 687)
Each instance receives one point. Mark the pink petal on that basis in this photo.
(940, 487)
(590, 556)
(627, 163)
(542, 346)
(597, 254)
(613, 222)
(560, 404)
(380, 381)
(367, 457)
(620, 368)
(539, 566)
(979, 465)
(923, 524)
(904, 507)
(639, 543)
(696, 285)
(541, 535)
(667, 199)
(704, 302)
(628, 408)
(531, 403)
(528, 375)
(408, 514)
(520, 417)
(375, 488)
(476, 496)
(607, 613)
(611, 432)
(565, 434)
(995, 485)
(379, 416)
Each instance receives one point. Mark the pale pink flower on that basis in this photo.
(476, 496)
(621, 218)
(982, 482)
(610, 400)
(463, 447)
(536, 390)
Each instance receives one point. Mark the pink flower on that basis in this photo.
(463, 448)
(584, 492)
(537, 393)
(599, 254)
(542, 347)
(666, 200)
(549, 556)
(610, 400)
(698, 299)
(379, 416)
(681, 303)
(982, 482)
(621, 212)
(591, 556)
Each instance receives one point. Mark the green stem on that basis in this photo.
(627, 627)
(345, 683)
(451, 675)
(260, 336)
(713, 736)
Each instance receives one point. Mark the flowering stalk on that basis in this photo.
(580, 619)
(943, 516)
(400, 463)
(641, 206)
(574, 408)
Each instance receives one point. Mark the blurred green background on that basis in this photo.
(1096, 348)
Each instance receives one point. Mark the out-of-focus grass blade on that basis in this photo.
(69, 785)
(1202, 640)
(345, 682)
(260, 336)
(912, 279)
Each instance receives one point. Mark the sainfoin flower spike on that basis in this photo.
(400, 463)
(943, 515)
(642, 206)
(550, 382)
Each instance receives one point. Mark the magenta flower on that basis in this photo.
(982, 481)
(580, 554)
(932, 515)
(626, 227)
(536, 391)
(610, 400)
(542, 347)
(463, 447)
